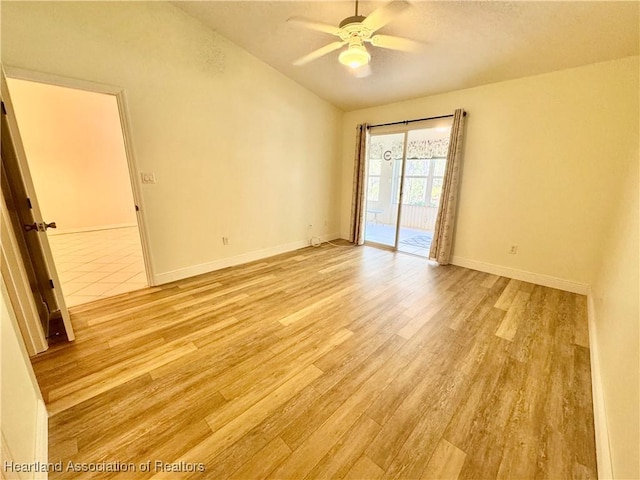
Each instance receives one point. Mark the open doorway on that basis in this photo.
(76, 155)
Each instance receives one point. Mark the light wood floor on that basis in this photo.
(328, 362)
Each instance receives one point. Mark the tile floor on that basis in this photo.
(98, 264)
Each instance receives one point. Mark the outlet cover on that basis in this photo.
(148, 177)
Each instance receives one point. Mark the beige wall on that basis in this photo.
(616, 314)
(542, 155)
(238, 149)
(74, 146)
(22, 408)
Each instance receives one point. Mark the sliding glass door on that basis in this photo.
(405, 169)
(384, 174)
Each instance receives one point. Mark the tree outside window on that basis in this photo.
(423, 181)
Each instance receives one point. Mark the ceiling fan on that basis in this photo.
(357, 30)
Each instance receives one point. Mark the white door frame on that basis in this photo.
(123, 111)
(45, 264)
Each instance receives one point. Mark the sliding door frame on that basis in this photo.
(401, 194)
(388, 131)
(404, 128)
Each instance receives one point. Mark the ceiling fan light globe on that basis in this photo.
(355, 56)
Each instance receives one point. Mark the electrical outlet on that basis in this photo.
(225, 240)
(513, 250)
(148, 177)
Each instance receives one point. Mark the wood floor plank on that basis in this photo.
(227, 433)
(326, 300)
(364, 468)
(485, 441)
(537, 414)
(327, 362)
(264, 461)
(261, 380)
(262, 386)
(405, 382)
(137, 307)
(582, 434)
(446, 462)
(313, 449)
(238, 342)
(423, 316)
(75, 392)
(345, 453)
(580, 321)
(385, 446)
(348, 357)
(242, 451)
(325, 404)
(163, 422)
(431, 420)
(512, 319)
(490, 281)
(309, 452)
(97, 413)
(504, 302)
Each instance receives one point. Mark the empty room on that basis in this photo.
(373, 239)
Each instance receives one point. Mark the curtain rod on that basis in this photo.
(414, 120)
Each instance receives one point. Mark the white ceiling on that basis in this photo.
(468, 43)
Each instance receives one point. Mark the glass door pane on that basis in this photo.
(426, 161)
(384, 174)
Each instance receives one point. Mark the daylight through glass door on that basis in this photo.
(407, 164)
(384, 174)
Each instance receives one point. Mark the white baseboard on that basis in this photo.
(59, 231)
(41, 449)
(42, 439)
(6, 457)
(172, 276)
(538, 279)
(603, 452)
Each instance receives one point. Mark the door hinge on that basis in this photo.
(51, 284)
(29, 203)
(4, 109)
(137, 208)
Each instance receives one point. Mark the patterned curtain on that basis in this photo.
(445, 221)
(356, 234)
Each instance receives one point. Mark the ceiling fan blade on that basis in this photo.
(320, 27)
(396, 43)
(318, 53)
(383, 15)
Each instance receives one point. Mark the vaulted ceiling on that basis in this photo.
(467, 43)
